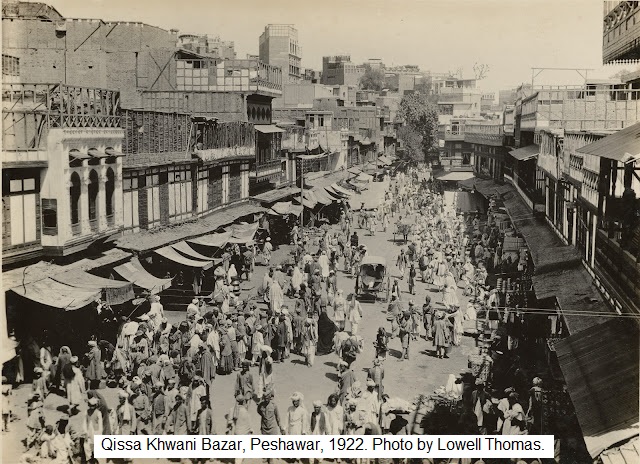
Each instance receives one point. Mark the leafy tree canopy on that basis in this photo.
(420, 114)
(372, 79)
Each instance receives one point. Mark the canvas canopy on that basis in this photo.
(55, 294)
(138, 275)
(172, 255)
(116, 291)
(212, 240)
(184, 249)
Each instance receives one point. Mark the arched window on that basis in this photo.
(109, 188)
(93, 195)
(74, 194)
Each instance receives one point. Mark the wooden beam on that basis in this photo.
(161, 71)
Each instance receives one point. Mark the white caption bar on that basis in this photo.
(323, 446)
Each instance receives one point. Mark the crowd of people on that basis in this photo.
(165, 373)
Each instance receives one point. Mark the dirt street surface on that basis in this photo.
(421, 374)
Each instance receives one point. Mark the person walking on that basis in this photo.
(354, 315)
(405, 324)
(441, 334)
(412, 279)
(269, 415)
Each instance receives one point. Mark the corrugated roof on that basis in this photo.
(151, 239)
(268, 129)
(621, 146)
(576, 295)
(525, 153)
(547, 250)
(600, 367)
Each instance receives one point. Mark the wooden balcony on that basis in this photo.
(32, 109)
(271, 169)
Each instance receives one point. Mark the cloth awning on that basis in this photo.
(78, 155)
(525, 153)
(600, 368)
(626, 454)
(305, 202)
(268, 129)
(112, 152)
(172, 255)
(286, 208)
(49, 292)
(384, 159)
(342, 190)
(184, 249)
(95, 153)
(456, 176)
(622, 146)
(362, 177)
(322, 196)
(212, 240)
(242, 233)
(116, 291)
(138, 275)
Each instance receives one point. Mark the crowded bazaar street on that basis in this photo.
(423, 372)
(288, 233)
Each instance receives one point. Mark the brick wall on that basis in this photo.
(124, 56)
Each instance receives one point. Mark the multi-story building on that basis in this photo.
(44, 47)
(487, 141)
(211, 46)
(339, 70)
(179, 141)
(278, 46)
(458, 102)
(301, 95)
(313, 76)
(455, 153)
(61, 169)
(487, 101)
(621, 32)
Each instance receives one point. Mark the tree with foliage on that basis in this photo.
(372, 79)
(420, 115)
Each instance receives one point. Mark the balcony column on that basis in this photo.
(85, 227)
(101, 205)
(118, 195)
(594, 230)
(574, 221)
(65, 231)
(225, 185)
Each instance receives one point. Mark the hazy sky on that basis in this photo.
(511, 36)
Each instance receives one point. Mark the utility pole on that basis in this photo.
(301, 192)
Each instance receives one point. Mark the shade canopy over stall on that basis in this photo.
(138, 275)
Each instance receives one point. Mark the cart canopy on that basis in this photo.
(374, 260)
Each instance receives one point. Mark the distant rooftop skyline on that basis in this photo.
(439, 36)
